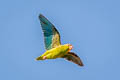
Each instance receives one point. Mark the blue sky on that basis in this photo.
(91, 26)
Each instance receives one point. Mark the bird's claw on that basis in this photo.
(44, 57)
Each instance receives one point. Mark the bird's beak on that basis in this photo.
(70, 47)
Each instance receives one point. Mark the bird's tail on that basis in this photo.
(39, 58)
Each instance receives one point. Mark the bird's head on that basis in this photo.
(70, 46)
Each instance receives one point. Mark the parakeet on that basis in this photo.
(54, 48)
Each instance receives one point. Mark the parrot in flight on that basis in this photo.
(54, 48)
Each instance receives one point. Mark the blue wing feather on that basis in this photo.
(49, 31)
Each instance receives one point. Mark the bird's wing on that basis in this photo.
(73, 58)
(51, 35)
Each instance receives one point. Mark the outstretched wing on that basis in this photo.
(51, 35)
(73, 58)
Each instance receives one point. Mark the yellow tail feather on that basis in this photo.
(39, 58)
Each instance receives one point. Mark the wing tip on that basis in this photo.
(81, 64)
(40, 15)
(43, 19)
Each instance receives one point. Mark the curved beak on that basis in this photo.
(70, 47)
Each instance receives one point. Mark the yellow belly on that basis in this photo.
(56, 52)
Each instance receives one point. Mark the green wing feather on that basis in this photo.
(70, 56)
(51, 35)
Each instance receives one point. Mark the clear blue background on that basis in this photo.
(91, 26)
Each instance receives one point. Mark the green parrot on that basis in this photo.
(53, 46)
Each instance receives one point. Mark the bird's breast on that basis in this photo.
(58, 51)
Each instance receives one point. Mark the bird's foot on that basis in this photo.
(44, 57)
